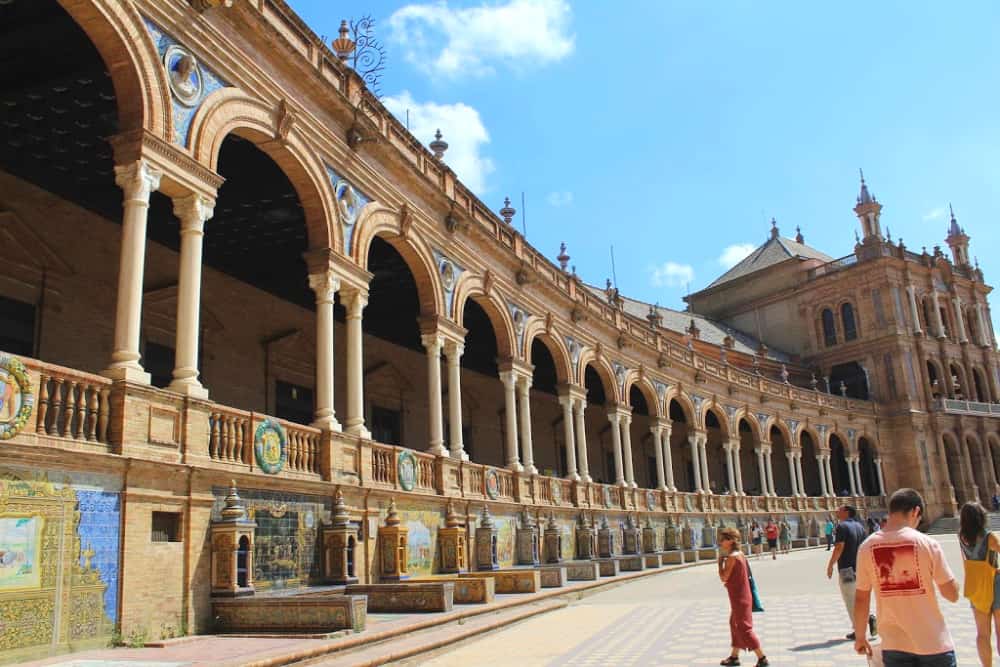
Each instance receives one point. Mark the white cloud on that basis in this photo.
(462, 128)
(453, 42)
(735, 254)
(671, 274)
(559, 199)
(935, 214)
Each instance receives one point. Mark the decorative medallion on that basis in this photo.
(574, 351)
(349, 204)
(406, 470)
(762, 418)
(492, 483)
(607, 496)
(793, 425)
(650, 500)
(448, 274)
(698, 401)
(620, 373)
(16, 397)
(661, 391)
(270, 446)
(556, 488)
(183, 75)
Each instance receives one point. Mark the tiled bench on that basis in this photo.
(630, 563)
(608, 566)
(672, 557)
(297, 613)
(510, 581)
(406, 597)
(652, 560)
(583, 570)
(553, 575)
(467, 590)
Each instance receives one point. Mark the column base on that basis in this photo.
(189, 387)
(633, 485)
(359, 430)
(328, 424)
(437, 450)
(134, 374)
(459, 455)
(515, 467)
(585, 477)
(622, 483)
(573, 477)
(531, 469)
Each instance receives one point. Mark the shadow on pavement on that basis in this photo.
(819, 645)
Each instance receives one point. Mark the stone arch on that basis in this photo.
(644, 385)
(955, 465)
(846, 307)
(604, 371)
(119, 34)
(495, 309)
(980, 464)
(720, 415)
(756, 428)
(820, 443)
(980, 384)
(232, 111)
(839, 449)
(786, 432)
(557, 348)
(685, 403)
(935, 378)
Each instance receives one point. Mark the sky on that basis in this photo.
(674, 131)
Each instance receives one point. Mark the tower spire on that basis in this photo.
(957, 240)
(868, 211)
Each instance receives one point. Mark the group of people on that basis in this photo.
(778, 535)
(902, 567)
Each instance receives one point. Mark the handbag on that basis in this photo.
(757, 605)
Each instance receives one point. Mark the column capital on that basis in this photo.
(325, 284)
(138, 180)
(432, 342)
(519, 368)
(354, 299)
(572, 391)
(453, 348)
(623, 411)
(193, 211)
(509, 378)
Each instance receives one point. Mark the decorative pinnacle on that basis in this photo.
(451, 519)
(392, 516)
(234, 509)
(507, 212)
(438, 146)
(485, 520)
(552, 525)
(341, 519)
(774, 228)
(798, 235)
(562, 258)
(343, 46)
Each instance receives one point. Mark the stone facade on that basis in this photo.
(171, 345)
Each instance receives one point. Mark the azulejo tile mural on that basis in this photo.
(59, 559)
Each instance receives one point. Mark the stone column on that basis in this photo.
(616, 444)
(138, 181)
(822, 475)
(524, 412)
(703, 457)
(192, 211)
(354, 301)
(769, 467)
(984, 333)
(325, 285)
(657, 430)
(579, 406)
(566, 401)
(695, 462)
(626, 423)
(433, 344)
(453, 351)
(914, 313)
(510, 415)
(881, 480)
(801, 478)
(761, 470)
(959, 320)
(939, 323)
(791, 472)
(857, 476)
(850, 476)
(739, 470)
(668, 458)
(828, 471)
(730, 472)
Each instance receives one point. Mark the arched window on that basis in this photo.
(847, 318)
(928, 319)
(829, 328)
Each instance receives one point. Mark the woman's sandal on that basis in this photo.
(731, 660)
(762, 661)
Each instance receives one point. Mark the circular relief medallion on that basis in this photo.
(556, 488)
(16, 397)
(492, 483)
(650, 500)
(348, 202)
(270, 446)
(607, 496)
(183, 75)
(447, 275)
(406, 470)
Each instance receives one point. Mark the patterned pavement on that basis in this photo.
(681, 620)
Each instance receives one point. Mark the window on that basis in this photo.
(166, 527)
(829, 328)
(945, 323)
(847, 319)
(159, 363)
(17, 327)
(293, 402)
(387, 426)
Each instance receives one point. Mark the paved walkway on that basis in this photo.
(681, 619)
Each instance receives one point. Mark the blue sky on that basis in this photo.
(676, 130)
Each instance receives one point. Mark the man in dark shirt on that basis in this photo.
(848, 536)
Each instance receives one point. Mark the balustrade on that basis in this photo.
(71, 404)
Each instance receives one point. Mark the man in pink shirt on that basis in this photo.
(902, 566)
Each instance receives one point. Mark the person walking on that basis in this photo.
(828, 530)
(979, 554)
(849, 535)
(755, 538)
(771, 532)
(902, 566)
(735, 576)
(785, 536)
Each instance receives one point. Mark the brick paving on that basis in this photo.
(681, 620)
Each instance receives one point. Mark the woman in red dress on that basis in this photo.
(735, 576)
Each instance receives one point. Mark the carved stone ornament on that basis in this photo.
(662, 361)
(448, 275)
(284, 120)
(577, 314)
(202, 5)
(487, 282)
(348, 202)
(405, 220)
(183, 75)
(621, 341)
(522, 276)
(16, 397)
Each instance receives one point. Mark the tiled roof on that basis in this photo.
(777, 249)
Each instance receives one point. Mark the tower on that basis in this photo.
(868, 211)
(958, 241)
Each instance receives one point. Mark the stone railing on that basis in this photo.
(953, 406)
(69, 403)
(230, 439)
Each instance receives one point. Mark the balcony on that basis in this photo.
(971, 408)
